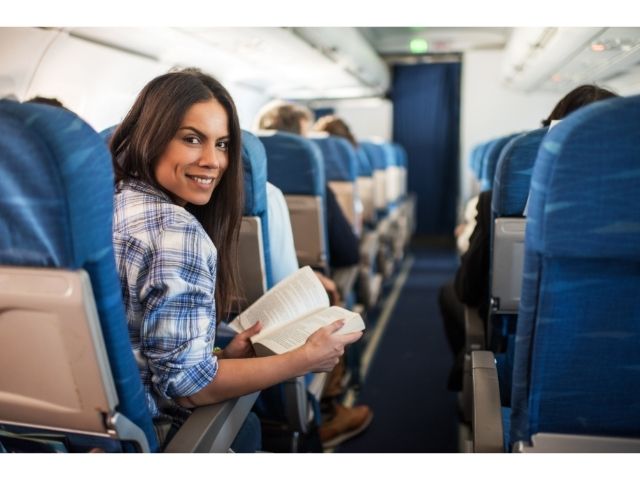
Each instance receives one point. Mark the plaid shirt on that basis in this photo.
(167, 266)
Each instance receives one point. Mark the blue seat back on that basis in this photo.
(254, 163)
(576, 354)
(296, 166)
(475, 160)
(365, 169)
(513, 174)
(340, 159)
(57, 208)
(490, 160)
(376, 155)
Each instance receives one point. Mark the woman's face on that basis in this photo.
(197, 156)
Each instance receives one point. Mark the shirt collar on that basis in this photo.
(144, 187)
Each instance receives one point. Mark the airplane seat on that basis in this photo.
(370, 281)
(475, 160)
(512, 180)
(341, 170)
(67, 362)
(254, 249)
(296, 167)
(286, 407)
(490, 160)
(576, 346)
(79, 387)
(406, 201)
(384, 228)
(366, 189)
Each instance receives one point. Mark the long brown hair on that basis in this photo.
(141, 139)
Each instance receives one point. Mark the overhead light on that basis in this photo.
(598, 47)
(556, 78)
(418, 45)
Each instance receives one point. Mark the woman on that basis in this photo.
(177, 214)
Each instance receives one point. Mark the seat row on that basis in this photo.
(555, 369)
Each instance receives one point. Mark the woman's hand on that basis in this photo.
(240, 346)
(325, 347)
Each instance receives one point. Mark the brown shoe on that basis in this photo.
(345, 424)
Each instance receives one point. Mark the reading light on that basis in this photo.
(598, 47)
(418, 45)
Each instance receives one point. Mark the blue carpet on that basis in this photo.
(406, 385)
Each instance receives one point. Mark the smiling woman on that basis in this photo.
(177, 205)
(196, 158)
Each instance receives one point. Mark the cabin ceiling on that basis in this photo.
(394, 41)
(346, 62)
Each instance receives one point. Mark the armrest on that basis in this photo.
(564, 443)
(345, 279)
(474, 328)
(487, 416)
(212, 429)
(296, 404)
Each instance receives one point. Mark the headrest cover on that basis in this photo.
(51, 215)
(490, 160)
(376, 154)
(254, 162)
(295, 164)
(340, 161)
(585, 189)
(513, 173)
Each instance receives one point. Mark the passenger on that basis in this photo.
(334, 125)
(54, 102)
(343, 243)
(339, 423)
(177, 214)
(471, 284)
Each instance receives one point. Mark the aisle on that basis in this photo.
(405, 383)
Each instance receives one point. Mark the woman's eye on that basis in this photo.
(193, 140)
(223, 145)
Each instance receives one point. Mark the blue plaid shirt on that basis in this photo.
(167, 266)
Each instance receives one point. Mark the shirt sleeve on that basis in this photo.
(178, 327)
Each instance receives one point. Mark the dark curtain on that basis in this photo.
(426, 122)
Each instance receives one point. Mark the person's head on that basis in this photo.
(285, 117)
(576, 98)
(54, 102)
(335, 126)
(182, 136)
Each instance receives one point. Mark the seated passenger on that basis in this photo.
(471, 285)
(343, 243)
(177, 215)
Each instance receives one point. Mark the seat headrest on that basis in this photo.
(254, 162)
(585, 189)
(376, 154)
(513, 173)
(490, 160)
(401, 155)
(296, 165)
(340, 161)
(52, 215)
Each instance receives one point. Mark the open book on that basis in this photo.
(290, 312)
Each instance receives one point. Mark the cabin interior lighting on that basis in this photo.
(418, 45)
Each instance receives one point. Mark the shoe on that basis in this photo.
(345, 424)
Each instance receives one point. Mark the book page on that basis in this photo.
(297, 295)
(295, 334)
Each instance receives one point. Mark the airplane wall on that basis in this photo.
(489, 109)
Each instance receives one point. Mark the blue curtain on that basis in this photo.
(426, 122)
